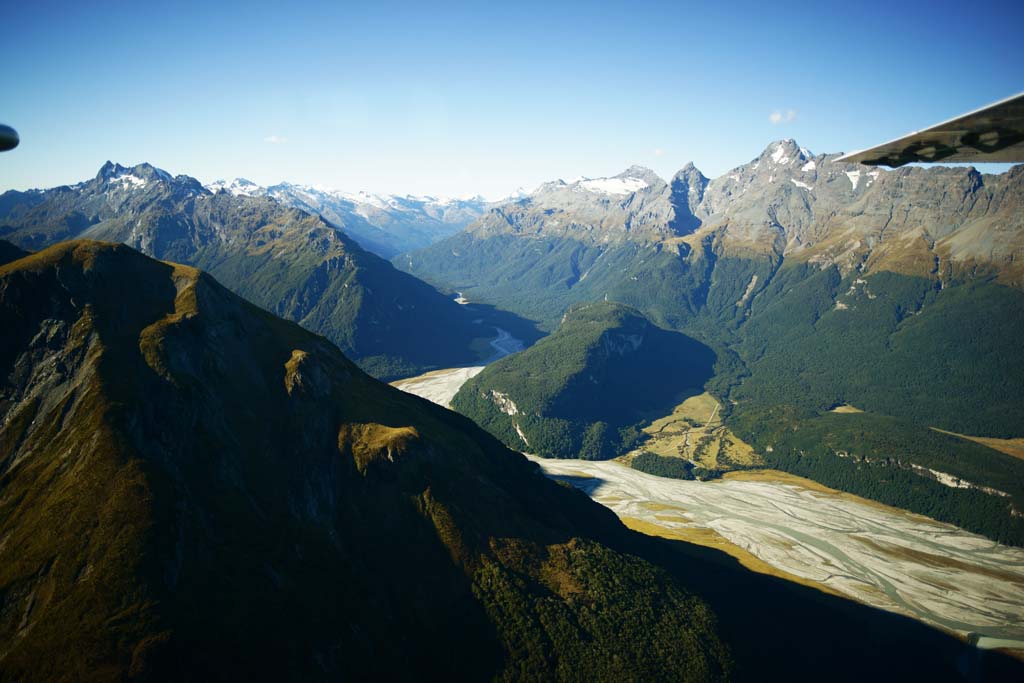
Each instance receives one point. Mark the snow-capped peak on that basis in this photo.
(238, 187)
(785, 152)
(137, 176)
(363, 197)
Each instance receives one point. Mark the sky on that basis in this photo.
(455, 99)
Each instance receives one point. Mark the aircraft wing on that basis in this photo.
(992, 133)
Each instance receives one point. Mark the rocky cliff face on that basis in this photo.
(932, 222)
(635, 205)
(785, 204)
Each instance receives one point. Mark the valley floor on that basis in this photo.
(794, 528)
(440, 386)
(878, 555)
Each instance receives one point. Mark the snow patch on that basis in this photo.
(854, 177)
(239, 187)
(799, 184)
(779, 155)
(129, 179)
(612, 186)
(809, 166)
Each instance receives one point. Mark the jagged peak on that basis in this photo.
(784, 152)
(641, 173)
(689, 174)
(137, 175)
(109, 170)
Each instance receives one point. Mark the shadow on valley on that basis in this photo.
(589, 485)
(521, 328)
(641, 377)
(780, 630)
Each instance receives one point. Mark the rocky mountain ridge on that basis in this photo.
(291, 262)
(787, 202)
(817, 284)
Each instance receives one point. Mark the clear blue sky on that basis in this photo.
(453, 99)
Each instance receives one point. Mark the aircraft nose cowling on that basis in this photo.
(8, 138)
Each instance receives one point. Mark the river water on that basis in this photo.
(440, 386)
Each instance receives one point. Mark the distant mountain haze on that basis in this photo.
(387, 225)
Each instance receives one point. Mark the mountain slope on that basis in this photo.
(386, 225)
(190, 487)
(580, 392)
(563, 244)
(291, 263)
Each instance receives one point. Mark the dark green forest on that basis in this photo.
(584, 391)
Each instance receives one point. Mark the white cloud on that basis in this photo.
(779, 116)
(659, 152)
(275, 139)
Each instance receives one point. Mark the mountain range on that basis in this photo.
(818, 285)
(293, 263)
(385, 224)
(573, 238)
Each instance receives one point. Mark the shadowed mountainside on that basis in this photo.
(191, 487)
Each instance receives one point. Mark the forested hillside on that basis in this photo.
(584, 390)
